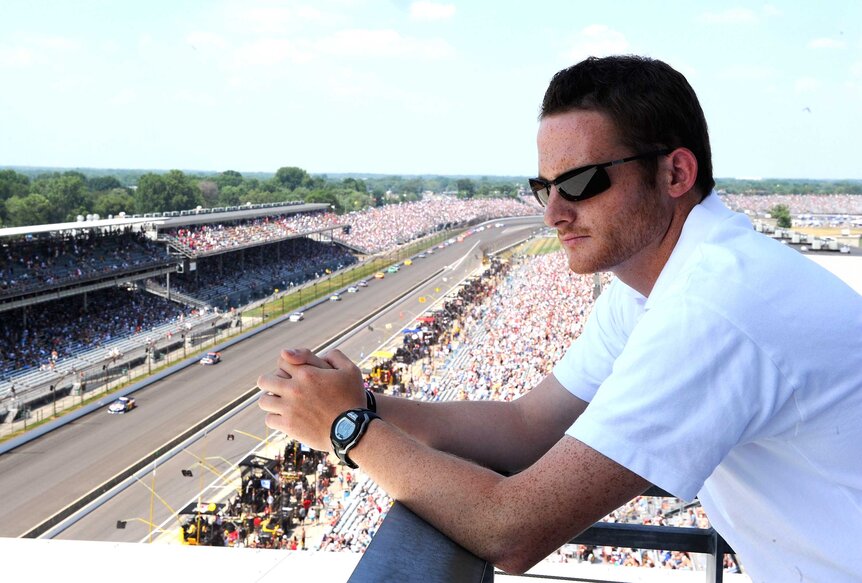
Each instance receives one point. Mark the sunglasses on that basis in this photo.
(584, 182)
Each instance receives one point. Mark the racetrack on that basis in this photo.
(40, 478)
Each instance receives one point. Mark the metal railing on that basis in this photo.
(409, 550)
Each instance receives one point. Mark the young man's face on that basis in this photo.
(614, 230)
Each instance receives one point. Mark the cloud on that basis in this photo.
(384, 43)
(15, 57)
(597, 40)
(729, 16)
(357, 43)
(195, 98)
(271, 51)
(771, 10)
(806, 85)
(271, 19)
(123, 97)
(205, 40)
(37, 50)
(431, 11)
(826, 43)
(747, 73)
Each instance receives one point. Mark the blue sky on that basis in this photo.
(400, 87)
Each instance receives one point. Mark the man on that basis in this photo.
(715, 365)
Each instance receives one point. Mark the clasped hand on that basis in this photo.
(306, 393)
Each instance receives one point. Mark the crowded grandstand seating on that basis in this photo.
(206, 238)
(819, 204)
(28, 265)
(39, 264)
(376, 229)
(54, 332)
(234, 281)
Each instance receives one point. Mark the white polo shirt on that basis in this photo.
(739, 381)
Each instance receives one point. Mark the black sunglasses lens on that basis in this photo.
(541, 191)
(585, 184)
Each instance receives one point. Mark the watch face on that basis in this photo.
(344, 428)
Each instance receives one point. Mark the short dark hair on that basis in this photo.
(651, 104)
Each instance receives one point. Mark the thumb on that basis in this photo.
(299, 356)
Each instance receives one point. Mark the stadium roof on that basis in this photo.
(173, 219)
(74, 226)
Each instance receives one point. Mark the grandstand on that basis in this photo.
(86, 301)
(60, 281)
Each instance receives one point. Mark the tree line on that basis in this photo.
(45, 197)
(42, 196)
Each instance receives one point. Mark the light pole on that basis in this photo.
(54, 400)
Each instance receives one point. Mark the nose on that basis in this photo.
(558, 210)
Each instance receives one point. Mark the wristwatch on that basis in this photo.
(347, 429)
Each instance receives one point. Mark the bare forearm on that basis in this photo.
(511, 521)
(491, 433)
(505, 436)
(425, 480)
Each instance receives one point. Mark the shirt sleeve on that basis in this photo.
(685, 390)
(590, 358)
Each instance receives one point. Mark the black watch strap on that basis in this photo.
(371, 400)
(342, 444)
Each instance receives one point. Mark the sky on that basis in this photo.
(401, 87)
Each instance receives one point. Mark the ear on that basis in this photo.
(682, 175)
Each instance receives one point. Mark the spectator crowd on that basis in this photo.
(29, 264)
(54, 329)
(818, 204)
(496, 338)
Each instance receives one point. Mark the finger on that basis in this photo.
(273, 383)
(269, 402)
(299, 356)
(337, 360)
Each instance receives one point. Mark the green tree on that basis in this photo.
(114, 202)
(173, 191)
(354, 184)
(291, 177)
(13, 184)
(230, 195)
(781, 214)
(228, 178)
(326, 197)
(466, 188)
(103, 183)
(67, 193)
(33, 209)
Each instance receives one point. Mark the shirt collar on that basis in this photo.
(698, 225)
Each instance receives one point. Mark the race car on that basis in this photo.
(352, 289)
(296, 317)
(211, 358)
(379, 275)
(335, 298)
(122, 405)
